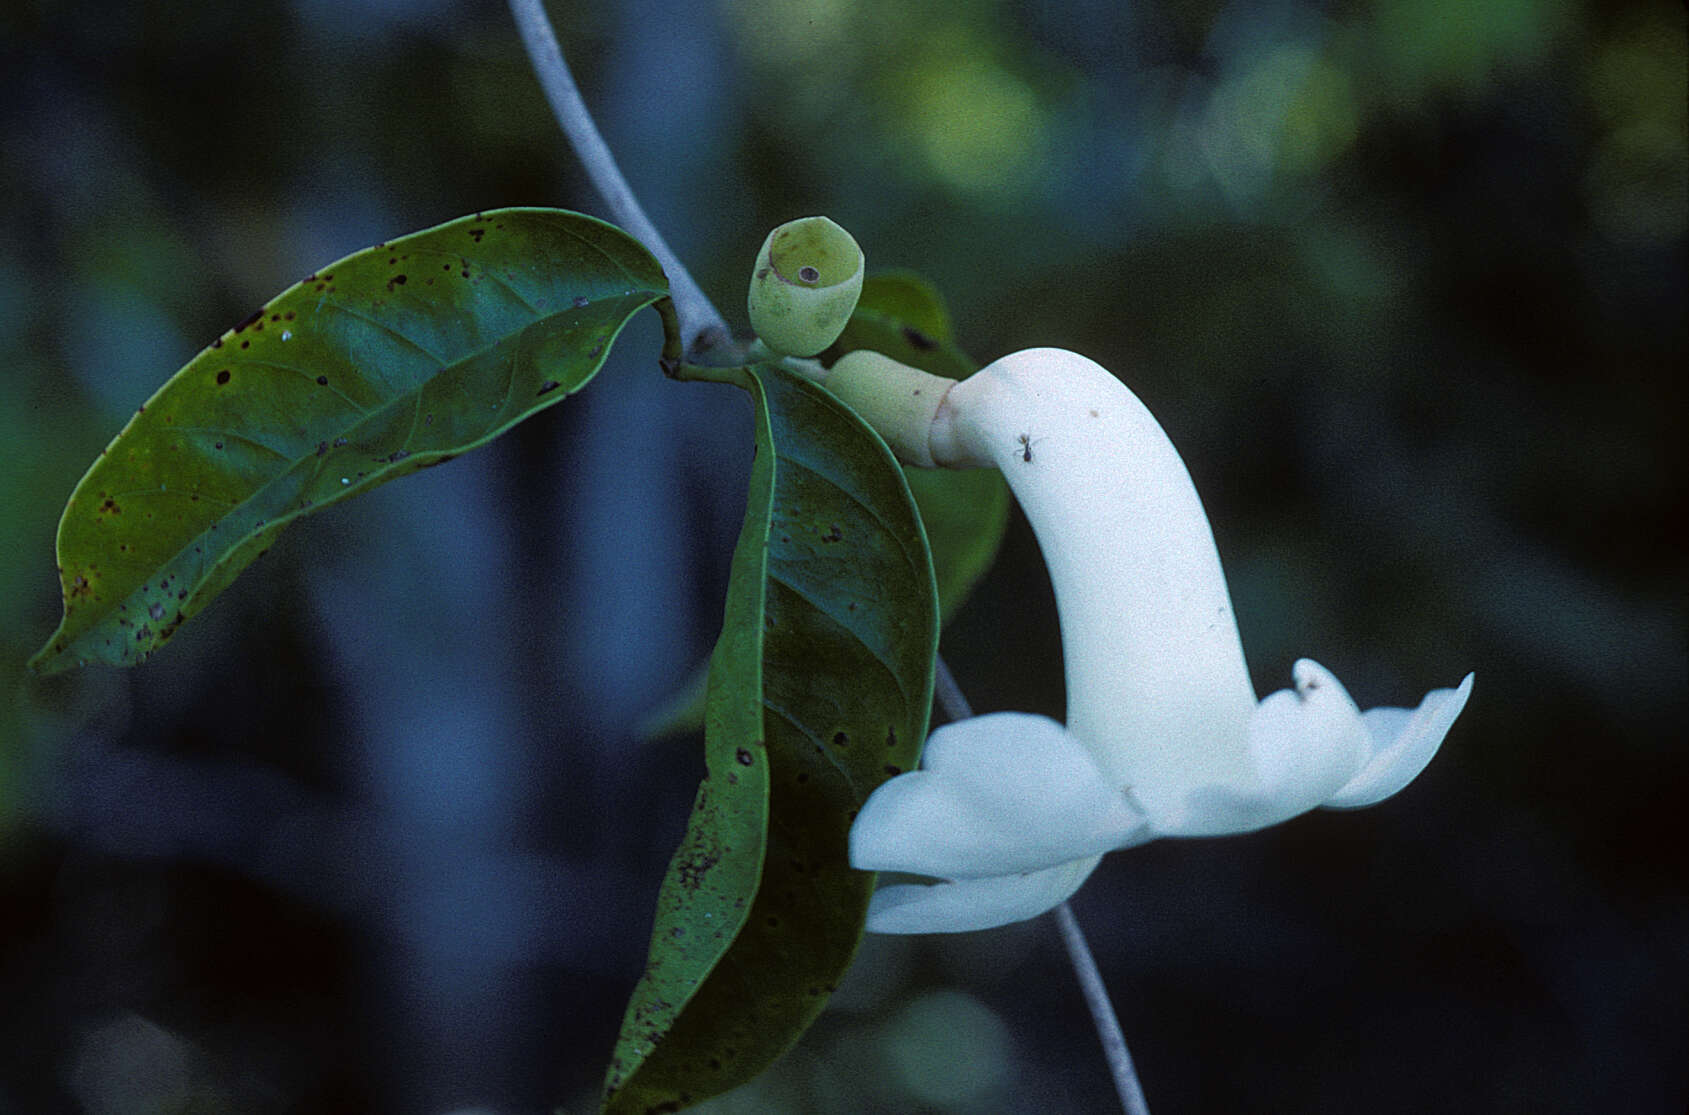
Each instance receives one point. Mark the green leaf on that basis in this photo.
(393, 359)
(680, 712)
(819, 691)
(965, 511)
(901, 315)
(908, 299)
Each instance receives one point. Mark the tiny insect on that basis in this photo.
(1025, 442)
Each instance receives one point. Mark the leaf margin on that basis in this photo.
(156, 601)
(776, 883)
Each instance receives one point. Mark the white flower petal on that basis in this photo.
(1402, 744)
(997, 795)
(1307, 742)
(1163, 723)
(1304, 744)
(958, 907)
(1156, 681)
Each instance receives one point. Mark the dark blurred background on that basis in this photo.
(1404, 279)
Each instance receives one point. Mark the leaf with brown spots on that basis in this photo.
(964, 512)
(822, 679)
(396, 358)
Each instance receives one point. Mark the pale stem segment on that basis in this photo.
(949, 694)
(1119, 1058)
(702, 325)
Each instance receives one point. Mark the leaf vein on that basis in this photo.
(873, 512)
(236, 435)
(311, 377)
(440, 363)
(532, 310)
(888, 667)
(626, 271)
(825, 752)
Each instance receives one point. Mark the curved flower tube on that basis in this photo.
(1164, 735)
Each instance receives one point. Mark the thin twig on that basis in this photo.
(1102, 1013)
(701, 326)
(701, 323)
(955, 706)
(948, 693)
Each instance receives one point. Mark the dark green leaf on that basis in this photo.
(901, 315)
(909, 299)
(395, 358)
(682, 711)
(965, 511)
(819, 691)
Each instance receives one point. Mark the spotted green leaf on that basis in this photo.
(393, 359)
(819, 691)
(965, 511)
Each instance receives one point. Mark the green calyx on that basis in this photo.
(804, 286)
(899, 402)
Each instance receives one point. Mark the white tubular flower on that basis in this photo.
(1164, 734)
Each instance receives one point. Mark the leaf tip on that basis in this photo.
(49, 660)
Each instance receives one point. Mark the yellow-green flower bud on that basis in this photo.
(804, 287)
